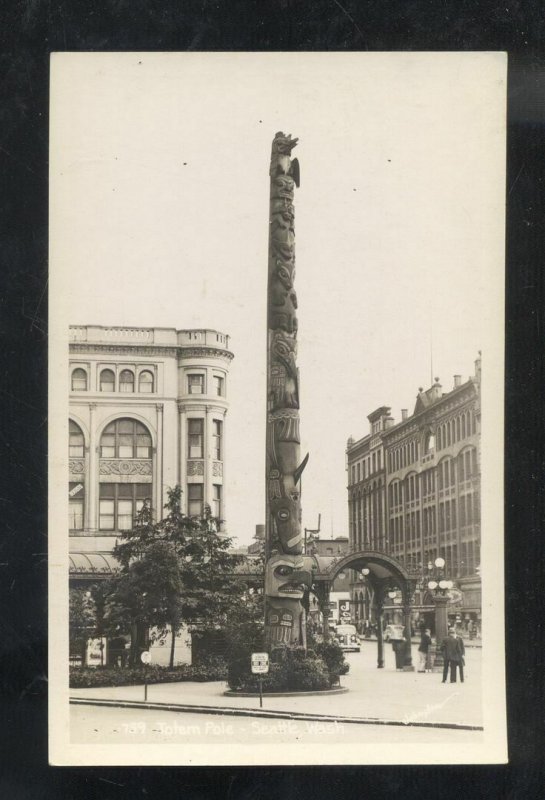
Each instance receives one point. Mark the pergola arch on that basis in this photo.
(385, 573)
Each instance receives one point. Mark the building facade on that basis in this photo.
(428, 484)
(147, 412)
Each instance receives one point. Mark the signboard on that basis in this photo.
(95, 655)
(344, 609)
(455, 597)
(260, 663)
(145, 657)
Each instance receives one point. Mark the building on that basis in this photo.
(147, 411)
(414, 490)
(257, 547)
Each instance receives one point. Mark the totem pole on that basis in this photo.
(285, 576)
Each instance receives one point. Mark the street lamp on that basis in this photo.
(439, 588)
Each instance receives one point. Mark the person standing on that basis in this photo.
(399, 646)
(453, 651)
(423, 649)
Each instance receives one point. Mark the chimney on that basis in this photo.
(388, 422)
(478, 367)
(404, 413)
(457, 381)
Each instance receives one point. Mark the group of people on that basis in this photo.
(452, 649)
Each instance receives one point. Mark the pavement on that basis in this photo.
(374, 696)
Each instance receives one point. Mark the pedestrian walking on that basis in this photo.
(453, 651)
(424, 649)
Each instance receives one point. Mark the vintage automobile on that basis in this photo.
(348, 637)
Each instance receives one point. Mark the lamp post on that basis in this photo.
(439, 588)
(364, 609)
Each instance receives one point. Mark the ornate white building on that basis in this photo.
(147, 411)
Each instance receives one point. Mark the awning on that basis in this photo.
(92, 564)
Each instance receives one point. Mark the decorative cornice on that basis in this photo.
(192, 351)
(135, 349)
(176, 351)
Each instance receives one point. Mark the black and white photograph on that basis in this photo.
(276, 400)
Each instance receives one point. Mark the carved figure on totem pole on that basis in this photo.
(285, 578)
(285, 583)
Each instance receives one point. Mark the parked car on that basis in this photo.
(392, 632)
(348, 638)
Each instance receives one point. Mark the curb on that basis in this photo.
(317, 693)
(257, 712)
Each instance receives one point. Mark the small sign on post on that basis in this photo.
(145, 658)
(260, 666)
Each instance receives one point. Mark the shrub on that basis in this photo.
(213, 669)
(296, 671)
(332, 654)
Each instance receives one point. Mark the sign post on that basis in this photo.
(260, 666)
(145, 658)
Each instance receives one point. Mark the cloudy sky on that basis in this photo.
(159, 199)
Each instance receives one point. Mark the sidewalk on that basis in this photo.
(375, 695)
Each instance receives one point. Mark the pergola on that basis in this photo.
(384, 574)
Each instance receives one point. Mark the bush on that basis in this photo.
(213, 669)
(297, 671)
(332, 654)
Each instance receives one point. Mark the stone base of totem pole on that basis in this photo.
(338, 690)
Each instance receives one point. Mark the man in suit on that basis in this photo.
(453, 655)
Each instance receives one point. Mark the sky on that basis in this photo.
(159, 217)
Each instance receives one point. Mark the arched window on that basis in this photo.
(457, 429)
(126, 381)
(125, 438)
(463, 431)
(76, 488)
(76, 446)
(145, 382)
(79, 380)
(107, 380)
(439, 437)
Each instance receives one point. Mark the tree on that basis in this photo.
(175, 571)
(82, 619)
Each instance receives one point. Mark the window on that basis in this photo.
(195, 438)
(195, 384)
(75, 506)
(76, 445)
(216, 439)
(107, 381)
(216, 501)
(119, 504)
(79, 380)
(218, 385)
(145, 382)
(429, 443)
(125, 438)
(126, 381)
(195, 499)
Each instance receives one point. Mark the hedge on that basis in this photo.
(91, 677)
(296, 671)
